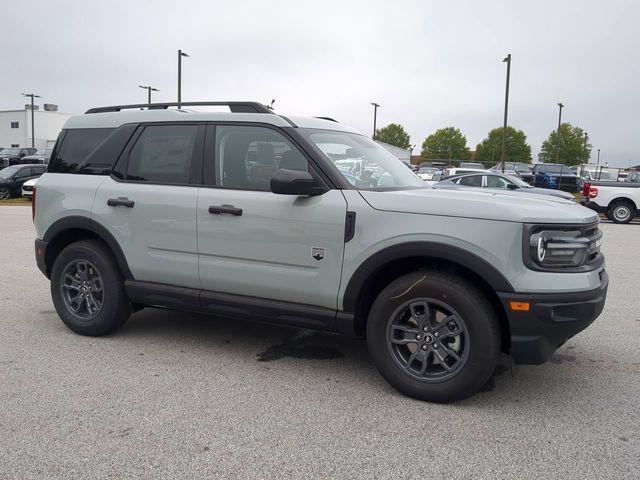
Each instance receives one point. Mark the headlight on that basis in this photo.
(562, 247)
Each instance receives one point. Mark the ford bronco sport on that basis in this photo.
(247, 214)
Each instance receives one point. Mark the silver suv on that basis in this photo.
(305, 222)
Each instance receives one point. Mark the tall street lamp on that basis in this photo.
(149, 90)
(503, 157)
(33, 115)
(375, 117)
(180, 55)
(560, 107)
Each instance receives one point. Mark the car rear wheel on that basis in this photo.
(433, 336)
(87, 289)
(621, 212)
(5, 193)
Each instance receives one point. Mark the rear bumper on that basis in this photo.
(41, 251)
(595, 207)
(552, 319)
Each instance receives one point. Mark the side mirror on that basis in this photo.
(293, 182)
(512, 186)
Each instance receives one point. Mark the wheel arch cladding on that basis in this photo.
(382, 268)
(69, 230)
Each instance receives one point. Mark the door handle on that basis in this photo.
(219, 209)
(120, 202)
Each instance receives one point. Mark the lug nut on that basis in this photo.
(436, 334)
(425, 329)
(424, 347)
(435, 345)
(418, 337)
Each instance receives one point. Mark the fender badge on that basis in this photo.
(317, 253)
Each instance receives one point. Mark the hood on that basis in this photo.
(502, 206)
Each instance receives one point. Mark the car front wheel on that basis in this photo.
(620, 212)
(433, 336)
(87, 289)
(5, 193)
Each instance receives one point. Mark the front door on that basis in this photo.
(256, 243)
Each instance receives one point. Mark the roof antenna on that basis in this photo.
(273, 100)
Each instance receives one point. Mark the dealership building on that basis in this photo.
(15, 126)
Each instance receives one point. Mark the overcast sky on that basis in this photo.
(430, 64)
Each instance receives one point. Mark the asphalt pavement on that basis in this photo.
(181, 395)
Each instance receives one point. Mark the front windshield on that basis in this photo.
(10, 151)
(554, 169)
(362, 162)
(8, 172)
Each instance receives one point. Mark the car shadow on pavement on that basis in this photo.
(274, 343)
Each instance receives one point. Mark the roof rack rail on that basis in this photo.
(328, 118)
(235, 107)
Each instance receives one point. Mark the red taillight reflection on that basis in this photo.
(33, 204)
(593, 192)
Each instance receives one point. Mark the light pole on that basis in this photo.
(180, 55)
(560, 107)
(149, 90)
(33, 116)
(598, 165)
(586, 152)
(375, 117)
(503, 157)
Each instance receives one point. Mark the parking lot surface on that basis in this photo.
(179, 395)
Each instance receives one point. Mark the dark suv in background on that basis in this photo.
(556, 176)
(15, 156)
(12, 178)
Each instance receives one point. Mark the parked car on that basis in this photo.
(474, 165)
(148, 206)
(15, 156)
(451, 172)
(497, 181)
(618, 201)
(556, 176)
(518, 169)
(41, 156)
(27, 188)
(12, 178)
(426, 173)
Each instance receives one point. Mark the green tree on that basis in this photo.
(573, 149)
(446, 142)
(490, 149)
(393, 134)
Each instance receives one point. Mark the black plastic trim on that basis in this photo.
(84, 223)
(239, 306)
(551, 320)
(422, 249)
(349, 226)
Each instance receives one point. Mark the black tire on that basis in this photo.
(621, 212)
(481, 336)
(114, 304)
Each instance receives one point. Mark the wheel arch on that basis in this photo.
(68, 230)
(380, 269)
(625, 199)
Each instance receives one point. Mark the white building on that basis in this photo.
(15, 127)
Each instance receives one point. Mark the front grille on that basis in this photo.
(4, 162)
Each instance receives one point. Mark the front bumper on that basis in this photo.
(551, 320)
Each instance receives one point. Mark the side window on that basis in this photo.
(496, 182)
(471, 181)
(23, 173)
(37, 170)
(247, 157)
(76, 145)
(163, 154)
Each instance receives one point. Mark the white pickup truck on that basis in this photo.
(619, 201)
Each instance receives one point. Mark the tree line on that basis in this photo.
(449, 143)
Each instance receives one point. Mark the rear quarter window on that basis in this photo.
(74, 146)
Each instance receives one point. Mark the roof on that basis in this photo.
(113, 119)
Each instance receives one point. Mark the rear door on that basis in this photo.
(149, 203)
(255, 243)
